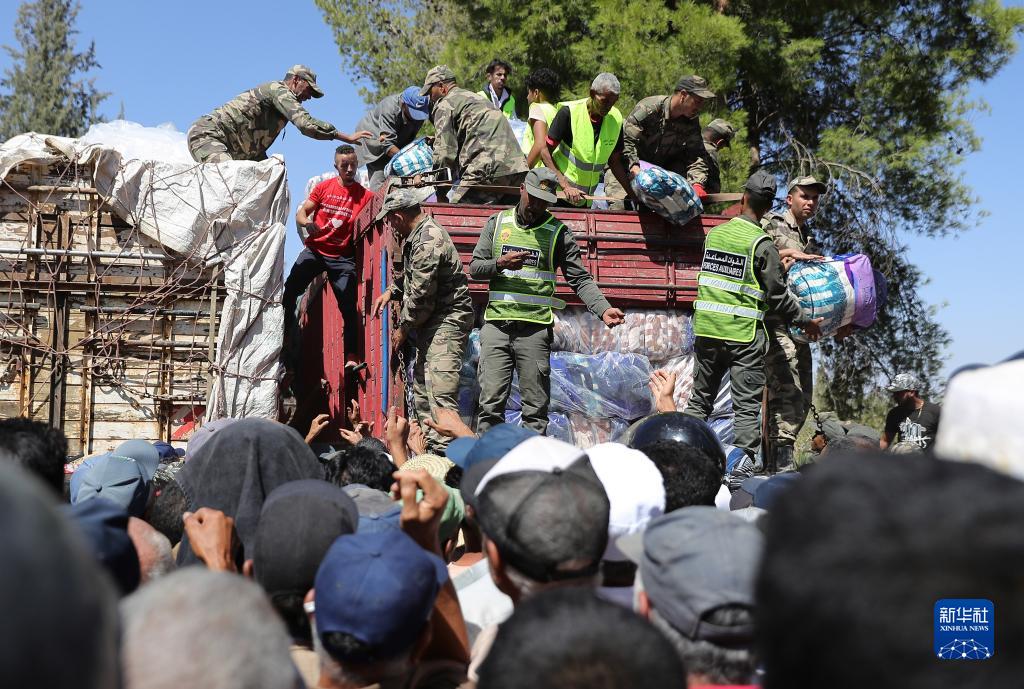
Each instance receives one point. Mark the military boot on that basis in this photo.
(784, 458)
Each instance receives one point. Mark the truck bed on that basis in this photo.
(638, 259)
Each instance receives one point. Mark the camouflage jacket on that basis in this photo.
(249, 123)
(786, 234)
(714, 183)
(474, 139)
(432, 286)
(674, 144)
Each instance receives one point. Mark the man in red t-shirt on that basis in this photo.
(328, 217)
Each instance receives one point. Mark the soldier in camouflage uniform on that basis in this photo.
(246, 126)
(717, 135)
(474, 140)
(436, 307)
(788, 362)
(665, 131)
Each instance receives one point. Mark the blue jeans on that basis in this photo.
(342, 275)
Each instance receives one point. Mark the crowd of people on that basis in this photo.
(441, 555)
(514, 560)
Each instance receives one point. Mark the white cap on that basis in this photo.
(635, 490)
(534, 454)
(981, 416)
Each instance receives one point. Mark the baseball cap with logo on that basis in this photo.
(304, 72)
(419, 106)
(694, 561)
(904, 381)
(696, 85)
(379, 588)
(437, 75)
(541, 183)
(545, 509)
(401, 198)
(807, 181)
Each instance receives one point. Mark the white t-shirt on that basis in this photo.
(481, 601)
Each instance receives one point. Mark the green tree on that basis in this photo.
(47, 89)
(868, 94)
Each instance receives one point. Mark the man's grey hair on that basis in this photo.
(606, 82)
(197, 628)
(154, 549)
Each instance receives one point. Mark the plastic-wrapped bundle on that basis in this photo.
(668, 194)
(658, 334)
(588, 431)
(841, 290)
(558, 424)
(413, 159)
(601, 385)
(683, 368)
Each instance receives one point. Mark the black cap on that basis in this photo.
(761, 185)
(548, 525)
(320, 512)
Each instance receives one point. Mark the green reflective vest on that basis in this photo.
(730, 302)
(527, 294)
(549, 114)
(584, 161)
(508, 107)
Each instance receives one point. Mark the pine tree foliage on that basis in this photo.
(47, 88)
(870, 95)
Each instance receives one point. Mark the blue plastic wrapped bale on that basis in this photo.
(841, 290)
(609, 384)
(558, 424)
(413, 159)
(668, 194)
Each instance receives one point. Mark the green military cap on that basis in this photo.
(304, 72)
(437, 75)
(696, 85)
(542, 183)
(722, 128)
(806, 181)
(401, 198)
(761, 185)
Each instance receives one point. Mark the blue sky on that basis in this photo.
(172, 62)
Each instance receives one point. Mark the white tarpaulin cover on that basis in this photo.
(230, 215)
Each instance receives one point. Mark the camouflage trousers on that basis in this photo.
(435, 383)
(204, 145)
(790, 385)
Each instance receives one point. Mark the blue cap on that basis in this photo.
(167, 452)
(419, 106)
(142, 452)
(105, 528)
(768, 492)
(379, 588)
(121, 480)
(494, 444)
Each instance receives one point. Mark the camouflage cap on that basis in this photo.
(904, 381)
(722, 128)
(304, 72)
(401, 198)
(696, 85)
(437, 75)
(761, 185)
(542, 183)
(807, 181)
